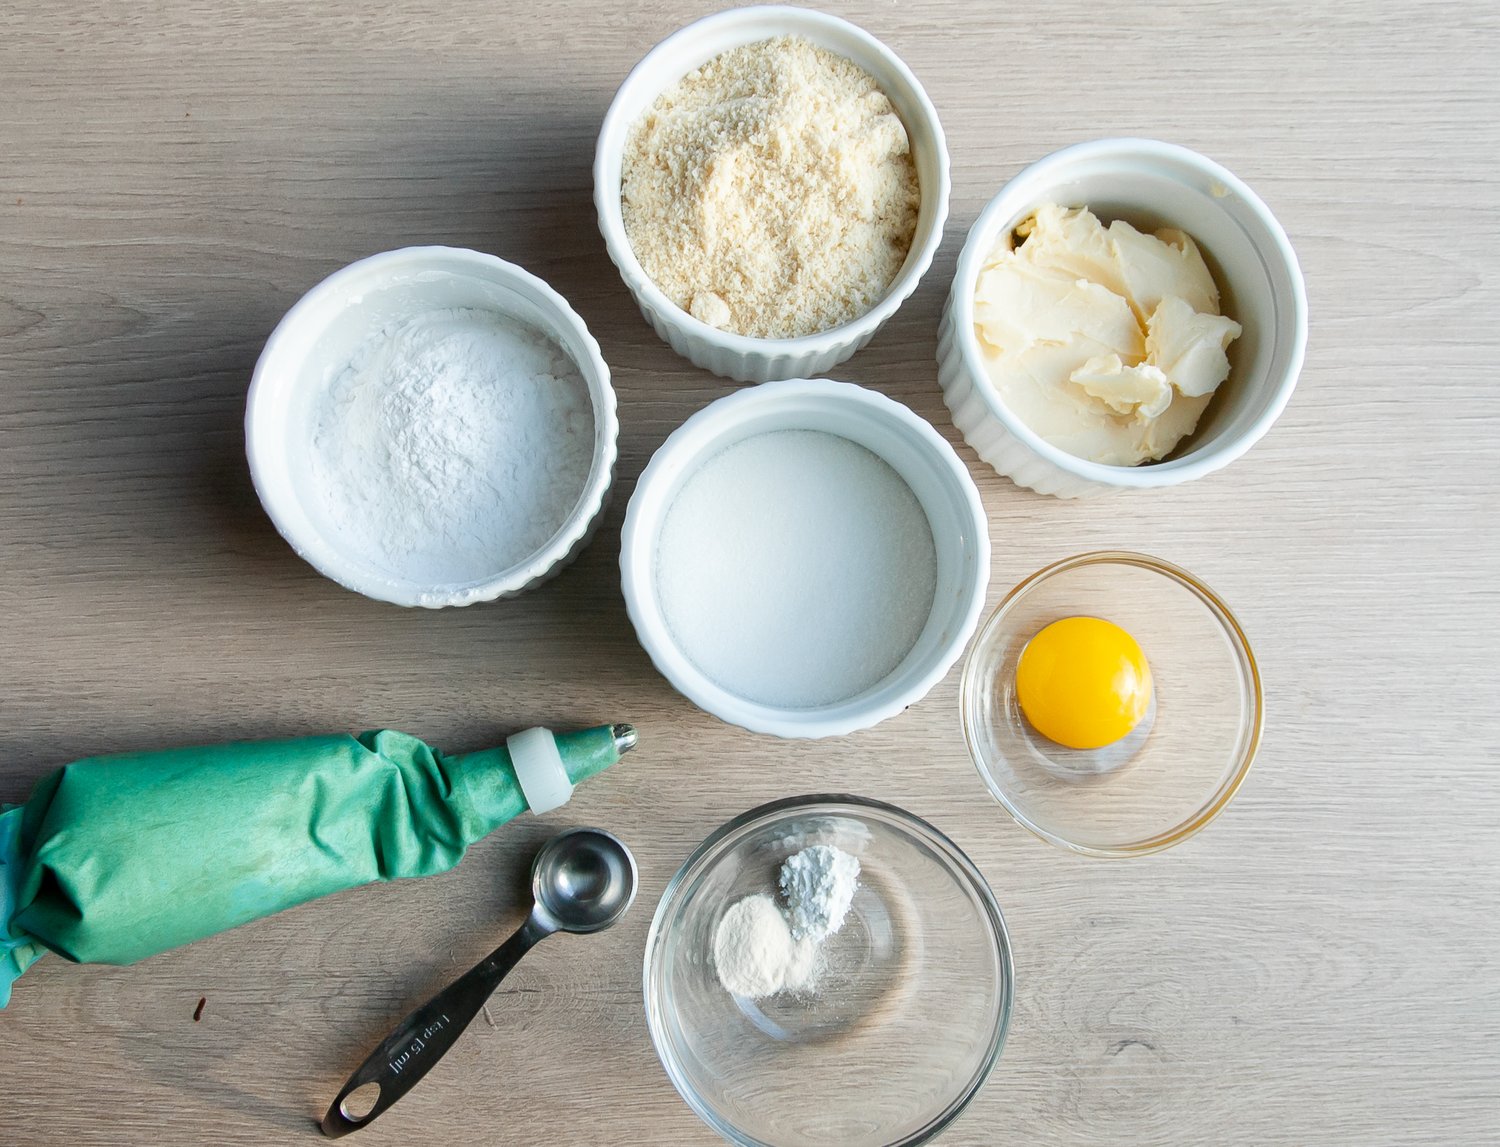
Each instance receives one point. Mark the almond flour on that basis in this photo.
(771, 192)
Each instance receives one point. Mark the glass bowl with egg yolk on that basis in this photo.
(1112, 704)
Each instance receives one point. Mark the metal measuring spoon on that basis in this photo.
(582, 880)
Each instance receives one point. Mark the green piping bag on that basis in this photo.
(117, 858)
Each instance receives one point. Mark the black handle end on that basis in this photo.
(339, 1121)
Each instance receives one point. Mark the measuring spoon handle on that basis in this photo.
(425, 1036)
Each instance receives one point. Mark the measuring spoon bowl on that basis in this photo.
(582, 880)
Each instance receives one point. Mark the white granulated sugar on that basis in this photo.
(754, 952)
(452, 445)
(818, 885)
(796, 569)
(771, 191)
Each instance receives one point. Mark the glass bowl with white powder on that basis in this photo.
(805, 559)
(828, 969)
(432, 426)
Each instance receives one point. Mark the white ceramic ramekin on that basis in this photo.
(912, 448)
(322, 330)
(1151, 185)
(736, 356)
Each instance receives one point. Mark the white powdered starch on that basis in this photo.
(795, 568)
(454, 445)
(818, 885)
(755, 954)
(760, 950)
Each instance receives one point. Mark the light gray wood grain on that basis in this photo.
(1318, 967)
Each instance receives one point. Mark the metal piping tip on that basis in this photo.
(626, 737)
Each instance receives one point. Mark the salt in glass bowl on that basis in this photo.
(1178, 769)
(905, 1023)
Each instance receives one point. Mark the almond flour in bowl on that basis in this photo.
(771, 192)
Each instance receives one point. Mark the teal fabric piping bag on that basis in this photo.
(114, 859)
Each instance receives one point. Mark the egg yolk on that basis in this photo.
(1083, 682)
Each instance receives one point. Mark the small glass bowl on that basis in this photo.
(912, 1004)
(1179, 768)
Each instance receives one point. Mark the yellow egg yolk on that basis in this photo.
(1083, 682)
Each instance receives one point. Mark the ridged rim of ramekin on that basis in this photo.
(694, 684)
(779, 19)
(570, 537)
(1230, 624)
(1172, 472)
(832, 803)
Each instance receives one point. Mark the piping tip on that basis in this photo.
(626, 737)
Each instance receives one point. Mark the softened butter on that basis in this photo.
(1107, 342)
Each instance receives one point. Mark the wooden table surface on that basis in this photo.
(1318, 967)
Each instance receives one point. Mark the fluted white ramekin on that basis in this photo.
(322, 329)
(1153, 185)
(737, 356)
(905, 441)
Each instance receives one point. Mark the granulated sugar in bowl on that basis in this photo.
(432, 427)
(805, 559)
(819, 587)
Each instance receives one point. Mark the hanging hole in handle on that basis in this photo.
(357, 1105)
